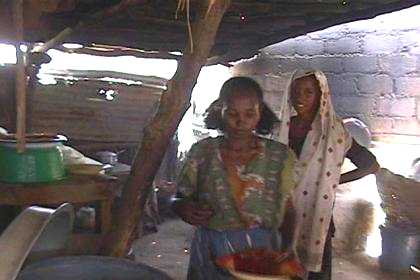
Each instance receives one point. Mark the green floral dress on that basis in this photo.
(268, 181)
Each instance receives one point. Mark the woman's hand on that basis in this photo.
(291, 253)
(193, 213)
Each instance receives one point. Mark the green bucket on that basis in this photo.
(41, 162)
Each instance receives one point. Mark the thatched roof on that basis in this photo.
(151, 24)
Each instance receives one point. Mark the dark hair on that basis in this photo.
(213, 116)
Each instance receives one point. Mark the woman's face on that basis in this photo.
(241, 114)
(305, 96)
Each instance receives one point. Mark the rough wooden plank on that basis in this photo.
(72, 110)
(93, 19)
(105, 216)
(131, 38)
(30, 92)
(7, 32)
(123, 52)
(77, 189)
(7, 98)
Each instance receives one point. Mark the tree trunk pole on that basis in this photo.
(174, 102)
(20, 78)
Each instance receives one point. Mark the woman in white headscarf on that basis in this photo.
(312, 129)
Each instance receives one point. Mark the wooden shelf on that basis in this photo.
(81, 189)
(75, 189)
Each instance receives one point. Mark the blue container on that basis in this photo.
(400, 249)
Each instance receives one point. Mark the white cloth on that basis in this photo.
(317, 172)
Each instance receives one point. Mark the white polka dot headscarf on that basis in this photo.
(317, 171)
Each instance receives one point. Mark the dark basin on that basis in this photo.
(90, 268)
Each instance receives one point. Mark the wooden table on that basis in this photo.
(81, 189)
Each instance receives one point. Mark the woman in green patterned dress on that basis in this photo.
(235, 188)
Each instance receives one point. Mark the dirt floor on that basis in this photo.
(168, 250)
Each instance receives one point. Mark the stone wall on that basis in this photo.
(373, 67)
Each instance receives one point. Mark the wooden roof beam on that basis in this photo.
(94, 19)
(120, 51)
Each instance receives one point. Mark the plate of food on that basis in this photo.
(261, 264)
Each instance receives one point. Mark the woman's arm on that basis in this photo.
(364, 160)
(185, 204)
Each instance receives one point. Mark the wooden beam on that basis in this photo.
(7, 32)
(158, 133)
(30, 92)
(109, 51)
(131, 38)
(8, 98)
(94, 19)
(20, 77)
(133, 52)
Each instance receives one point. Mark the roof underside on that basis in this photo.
(151, 24)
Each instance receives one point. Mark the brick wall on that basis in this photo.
(373, 69)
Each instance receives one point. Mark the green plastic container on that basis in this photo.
(41, 162)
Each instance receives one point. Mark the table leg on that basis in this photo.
(105, 216)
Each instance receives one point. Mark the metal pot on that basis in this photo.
(40, 162)
(36, 232)
(107, 157)
(39, 230)
(400, 249)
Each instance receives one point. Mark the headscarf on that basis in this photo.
(317, 171)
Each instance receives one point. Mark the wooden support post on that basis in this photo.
(173, 104)
(30, 96)
(105, 207)
(20, 77)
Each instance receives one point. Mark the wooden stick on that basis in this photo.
(174, 103)
(119, 51)
(92, 20)
(20, 78)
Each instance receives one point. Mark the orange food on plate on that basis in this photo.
(262, 262)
